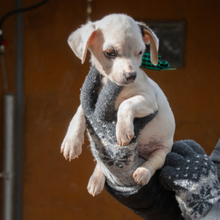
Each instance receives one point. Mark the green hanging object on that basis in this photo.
(162, 64)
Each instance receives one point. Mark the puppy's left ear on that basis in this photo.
(149, 37)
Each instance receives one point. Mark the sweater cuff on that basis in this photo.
(215, 156)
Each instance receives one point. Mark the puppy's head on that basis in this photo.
(116, 44)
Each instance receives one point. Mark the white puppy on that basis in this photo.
(117, 45)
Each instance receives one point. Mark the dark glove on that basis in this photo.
(192, 175)
(151, 202)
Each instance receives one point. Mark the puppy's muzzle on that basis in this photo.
(130, 77)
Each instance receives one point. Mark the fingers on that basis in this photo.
(195, 146)
(175, 160)
(187, 148)
(183, 149)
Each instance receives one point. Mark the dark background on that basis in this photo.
(55, 189)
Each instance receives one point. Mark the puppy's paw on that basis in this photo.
(72, 147)
(142, 175)
(96, 184)
(124, 132)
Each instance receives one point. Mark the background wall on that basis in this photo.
(55, 189)
(9, 56)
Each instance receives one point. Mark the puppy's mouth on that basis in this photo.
(122, 82)
(127, 83)
(125, 79)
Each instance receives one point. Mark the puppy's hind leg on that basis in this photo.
(96, 181)
(155, 161)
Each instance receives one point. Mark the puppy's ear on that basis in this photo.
(80, 39)
(149, 37)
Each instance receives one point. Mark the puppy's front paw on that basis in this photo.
(142, 175)
(72, 147)
(124, 132)
(96, 184)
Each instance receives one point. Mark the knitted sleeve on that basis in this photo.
(117, 163)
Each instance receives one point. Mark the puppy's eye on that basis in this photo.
(140, 53)
(109, 53)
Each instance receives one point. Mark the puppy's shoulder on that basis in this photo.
(146, 82)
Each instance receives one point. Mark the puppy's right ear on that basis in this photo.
(80, 39)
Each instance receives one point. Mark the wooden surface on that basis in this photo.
(55, 189)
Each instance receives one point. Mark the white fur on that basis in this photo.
(138, 98)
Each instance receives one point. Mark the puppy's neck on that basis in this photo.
(104, 79)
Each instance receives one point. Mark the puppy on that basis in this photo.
(117, 44)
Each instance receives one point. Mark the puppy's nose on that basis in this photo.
(130, 77)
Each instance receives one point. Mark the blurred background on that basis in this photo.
(46, 78)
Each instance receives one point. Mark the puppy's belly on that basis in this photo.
(152, 139)
(144, 150)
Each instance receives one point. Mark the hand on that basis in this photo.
(192, 175)
(151, 201)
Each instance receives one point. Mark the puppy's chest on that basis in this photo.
(127, 92)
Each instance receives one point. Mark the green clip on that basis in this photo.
(162, 64)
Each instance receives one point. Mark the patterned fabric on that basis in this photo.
(117, 163)
(193, 176)
(146, 63)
